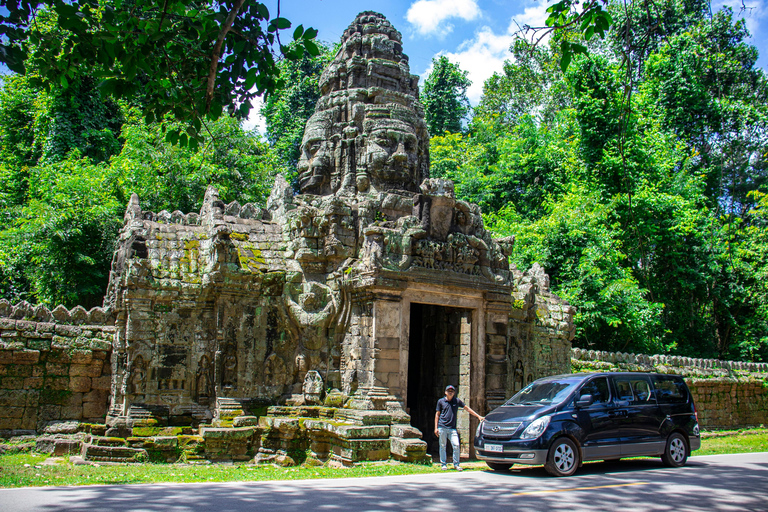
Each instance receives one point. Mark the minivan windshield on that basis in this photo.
(545, 392)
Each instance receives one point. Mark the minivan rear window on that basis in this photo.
(670, 389)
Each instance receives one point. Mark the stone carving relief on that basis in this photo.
(204, 381)
(137, 382)
(312, 388)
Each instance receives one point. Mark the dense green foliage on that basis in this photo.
(69, 161)
(444, 97)
(288, 107)
(188, 59)
(636, 178)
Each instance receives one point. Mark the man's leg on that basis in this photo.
(443, 437)
(455, 445)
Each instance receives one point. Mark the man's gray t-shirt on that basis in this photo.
(448, 411)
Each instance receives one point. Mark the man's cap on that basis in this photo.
(450, 386)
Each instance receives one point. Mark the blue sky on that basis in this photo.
(474, 33)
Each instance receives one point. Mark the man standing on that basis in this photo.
(445, 424)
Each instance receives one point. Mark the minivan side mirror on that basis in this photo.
(585, 401)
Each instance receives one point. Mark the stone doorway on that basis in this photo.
(438, 355)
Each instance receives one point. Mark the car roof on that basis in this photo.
(587, 375)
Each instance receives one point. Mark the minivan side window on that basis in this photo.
(636, 389)
(598, 388)
(670, 389)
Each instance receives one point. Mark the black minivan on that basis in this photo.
(565, 420)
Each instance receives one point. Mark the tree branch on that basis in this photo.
(217, 52)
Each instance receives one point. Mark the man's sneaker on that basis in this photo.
(457, 468)
(444, 467)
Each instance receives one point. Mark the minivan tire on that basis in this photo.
(676, 451)
(563, 458)
(498, 466)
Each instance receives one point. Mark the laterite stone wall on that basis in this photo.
(52, 371)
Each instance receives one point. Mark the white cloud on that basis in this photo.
(428, 16)
(484, 55)
(481, 57)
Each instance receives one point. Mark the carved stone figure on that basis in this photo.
(313, 387)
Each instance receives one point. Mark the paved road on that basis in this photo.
(720, 482)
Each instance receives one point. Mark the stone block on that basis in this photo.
(86, 370)
(93, 410)
(245, 421)
(12, 383)
(101, 383)
(16, 370)
(72, 412)
(6, 356)
(360, 432)
(408, 450)
(33, 383)
(387, 366)
(82, 356)
(80, 384)
(49, 412)
(53, 369)
(12, 412)
(165, 442)
(26, 356)
(387, 343)
(39, 344)
(56, 383)
(404, 431)
(68, 330)
(63, 447)
(96, 395)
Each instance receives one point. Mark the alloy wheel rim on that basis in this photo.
(677, 449)
(564, 457)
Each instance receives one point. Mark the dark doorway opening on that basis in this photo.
(434, 361)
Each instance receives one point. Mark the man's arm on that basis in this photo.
(473, 413)
(437, 417)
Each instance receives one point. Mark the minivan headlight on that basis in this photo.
(479, 429)
(536, 428)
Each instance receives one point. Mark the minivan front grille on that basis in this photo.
(500, 430)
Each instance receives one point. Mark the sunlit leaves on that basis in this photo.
(160, 52)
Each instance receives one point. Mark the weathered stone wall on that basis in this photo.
(540, 333)
(53, 366)
(728, 394)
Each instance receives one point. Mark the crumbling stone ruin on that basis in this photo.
(327, 324)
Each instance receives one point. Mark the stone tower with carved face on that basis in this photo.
(368, 130)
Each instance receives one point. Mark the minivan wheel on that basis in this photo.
(563, 458)
(676, 452)
(498, 466)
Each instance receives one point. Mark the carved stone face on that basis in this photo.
(316, 159)
(391, 153)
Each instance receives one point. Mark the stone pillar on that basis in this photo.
(387, 319)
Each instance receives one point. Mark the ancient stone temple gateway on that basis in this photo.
(330, 321)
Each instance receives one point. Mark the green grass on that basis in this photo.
(27, 470)
(24, 470)
(737, 442)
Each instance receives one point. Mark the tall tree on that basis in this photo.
(192, 59)
(287, 108)
(445, 97)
